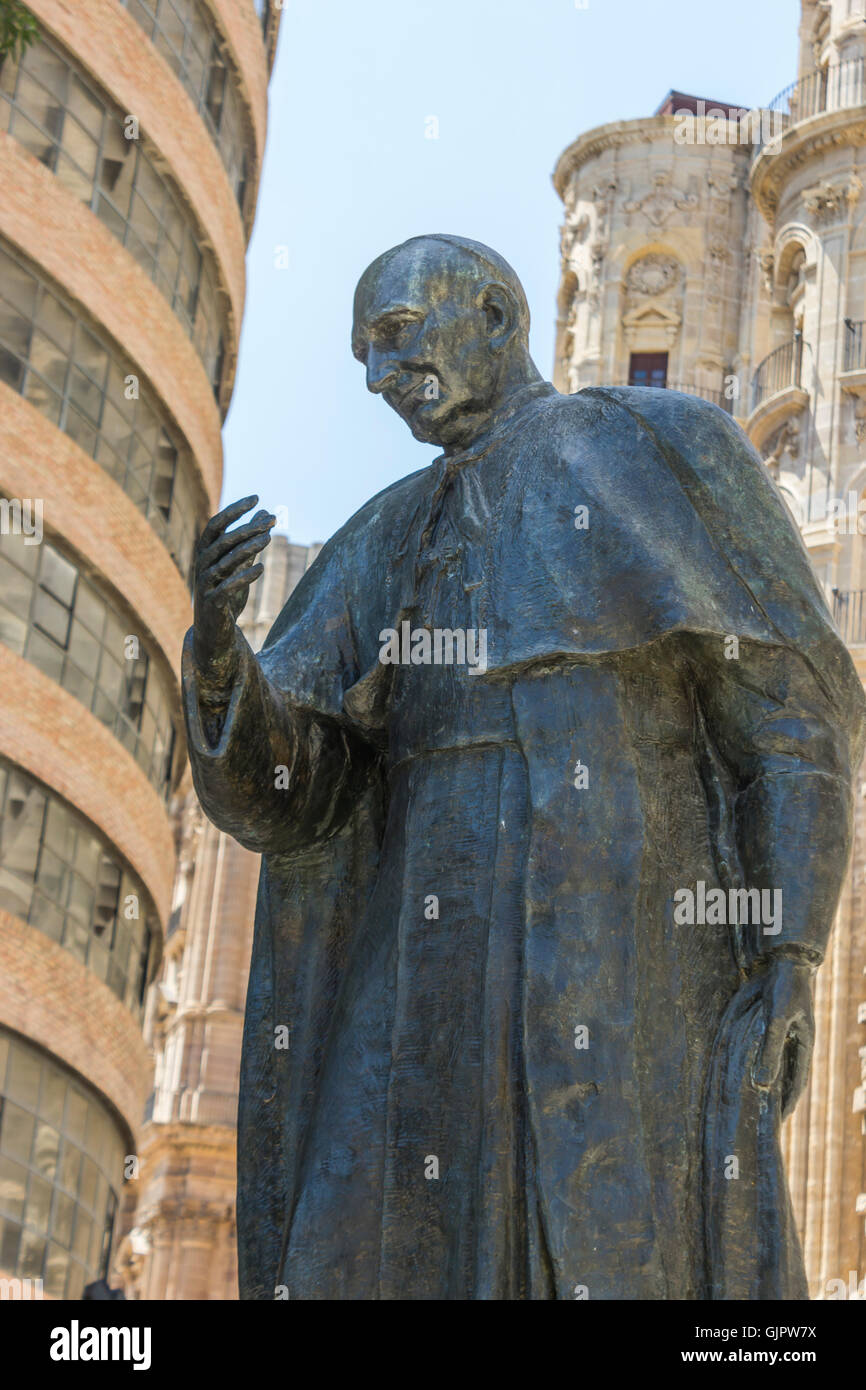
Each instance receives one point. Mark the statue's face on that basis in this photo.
(424, 338)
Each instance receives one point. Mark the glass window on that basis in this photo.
(16, 1132)
(85, 107)
(48, 68)
(56, 323)
(53, 876)
(74, 634)
(46, 400)
(15, 329)
(84, 649)
(116, 428)
(69, 126)
(58, 576)
(89, 609)
(23, 1076)
(56, 1270)
(82, 885)
(19, 288)
(15, 585)
(33, 139)
(51, 617)
(70, 174)
(46, 917)
(183, 32)
(45, 653)
(70, 1163)
(10, 1242)
(32, 1254)
(39, 1204)
(21, 829)
(11, 370)
(13, 1187)
(60, 833)
(40, 104)
(13, 631)
(91, 356)
(49, 360)
(75, 1121)
(46, 1148)
(83, 150)
(70, 375)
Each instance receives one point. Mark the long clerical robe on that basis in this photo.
(485, 1056)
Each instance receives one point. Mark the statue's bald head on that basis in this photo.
(438, 262)
(442, 324)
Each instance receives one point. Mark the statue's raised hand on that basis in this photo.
(224, 570)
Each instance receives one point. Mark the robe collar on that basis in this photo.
(499, 423)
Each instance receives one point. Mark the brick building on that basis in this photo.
(723, 253)
(131, 141)
(183, 1240)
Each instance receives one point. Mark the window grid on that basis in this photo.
(51, 357)
(66, 125)
(183, 32)
(56, 618)
(61, 1164)
(61, 877)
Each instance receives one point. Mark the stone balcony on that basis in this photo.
(849, 615)
(776, 391)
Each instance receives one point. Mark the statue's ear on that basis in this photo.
(500, 308)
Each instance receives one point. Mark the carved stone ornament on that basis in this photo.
(661, 200)
(767, 262)
(653, 274)
(825, 201)
(787, 439)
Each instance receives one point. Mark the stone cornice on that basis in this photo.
(801, 144)
(606, 137)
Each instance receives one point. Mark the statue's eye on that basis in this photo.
(394, 331)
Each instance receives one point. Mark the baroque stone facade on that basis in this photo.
(723, 253)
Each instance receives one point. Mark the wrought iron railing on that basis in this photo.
(826, 89)
(780, 368)
(849, 612)
(855, 345)
(690, 388)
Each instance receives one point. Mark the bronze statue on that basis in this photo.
(549, 756)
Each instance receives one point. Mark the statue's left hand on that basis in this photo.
(789, 1030)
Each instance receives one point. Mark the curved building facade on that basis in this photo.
(723, 253)
(131, 142)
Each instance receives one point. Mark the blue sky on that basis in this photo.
(349, 172)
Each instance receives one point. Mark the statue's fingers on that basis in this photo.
(235, 559)
(218, 523)
(237, 583)
(772, 1051)
(260, 525)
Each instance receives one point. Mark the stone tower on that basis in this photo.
(722, 252)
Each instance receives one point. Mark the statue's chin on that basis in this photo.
(424, 434)
(452, 428)
(425, 430)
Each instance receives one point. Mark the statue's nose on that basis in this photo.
(381, 371)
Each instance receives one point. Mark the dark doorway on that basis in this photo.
(648, 369)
